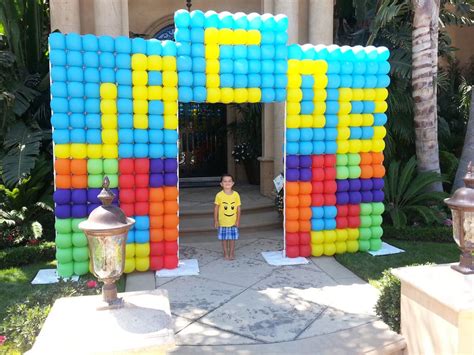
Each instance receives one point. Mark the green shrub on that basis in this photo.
(388, 304)
(27, 254)
(422, 234)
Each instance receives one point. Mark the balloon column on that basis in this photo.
(115, 103)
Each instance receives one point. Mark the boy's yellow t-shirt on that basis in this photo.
(227, 208)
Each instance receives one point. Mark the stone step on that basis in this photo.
(260, 206)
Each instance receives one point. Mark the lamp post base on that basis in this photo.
(466, 263)
(110, 299)
(463, 269)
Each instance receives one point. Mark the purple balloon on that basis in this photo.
(171, 165)
(354, 184)
(79, 211)
(79, 196)
(305, 174)
(342, 198)
(378, 183)
(156, 180)
(305, 161)
(366, 184)
(92, 195)
(378, 195)
(91, 207)
(292, 161)
(354, 197)
(171, 179)
(342, 185)
(62, 196)
(292, 174)
(156, 166)
(116, 192)
(63, 211)
(367, 196)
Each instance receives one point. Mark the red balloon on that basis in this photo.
(305, 238)
(142, 166)
(128, 209)
(170, 261)
(171, 248)
(142, 180)
(330, 199)
(317, 200)
(341, 222)
(342, 210)
(292, 239)
(126, 166)
(292, 251)
(329, 173)
(354, 221)
(317, 174)
(127, 196)
(156, 263)
(141, 208)
(157, 249)
(318, 161)
(317, 187)
(354, 210)
(126, 181)
(305, 250)
(141, 194)
(330, 187)
(330, 160)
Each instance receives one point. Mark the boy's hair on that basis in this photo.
(227, 175)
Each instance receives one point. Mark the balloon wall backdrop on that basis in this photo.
(115, 102)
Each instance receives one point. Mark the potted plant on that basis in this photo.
(245, 154)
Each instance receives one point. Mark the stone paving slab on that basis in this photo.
(203, 256)
(254, 249)
(140, 281)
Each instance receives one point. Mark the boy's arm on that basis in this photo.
(237, 222)
(216, 214)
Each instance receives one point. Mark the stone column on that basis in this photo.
(321, 21)
(109, 16)
(65, 16)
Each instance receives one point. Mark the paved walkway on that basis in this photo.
(246, 306)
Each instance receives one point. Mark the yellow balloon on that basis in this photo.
(170, 94)
(320, 81)
(317, 249)
(170, 122)
(306, 67)
(378, 145)
(320, 67)
(94, 151)
(342, 147)
(317, 237)
(319, 121)
(211, 35)
(139, 78)
(169, 63)
(345, 108)
(255, 95)
(306, 121)
(343, 120)
(293, 108)
(293, 121)
(129, 265)
(213, 95)
(294, 81)
(142, 250)
(341, 247)
(212, 51)
(109, 121)
(381, 94)
(320, 95)
(241, 95)
(294, 95)
(130, 250)
(109, 136)
(170, 107)
(213, 81)
(357, 94)
(140, 107)
(352, 233)
(293, 66)
(140, 121)
(343, 133)
(140, 92)
(155, 62)
(356, 119)
(355, 145)
(78, 151)
(142, 264)
(139, 61)
(370, 95)
(366, 145)
(110, 151)
(226, 36)
(379, 132)
(254, 37)
(227, 95)
(212, 66)
(329, 249)
(240, 37)
(329, 236)
(108, 91)
(154, 93)
(108, 106)
(345, 94)
(367, 119)
(341, 235)
(352, 246)
(319, 108)
(170, 78)
(62, 151)
(380, 107)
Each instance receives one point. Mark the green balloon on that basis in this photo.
(342, 172)
(354, 172)
(364, 233)
(63, 225)
(365, 221)
(64, 255)
(80, 254)
(75, 224)
(65, 269)
(81, 267)
(94, 166)
(113, 181)
(365, 209)
(79, 240)
(377, 220)
(95, 181)
(63, 240)
(364, 245)
(377, 208)
(353, 159)
(341, 159)
(375, 244)
(377, 232)
(111, 166)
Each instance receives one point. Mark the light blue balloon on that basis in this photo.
(227, 80)
(199, 94)
(240, 52)
(347, 54)
(240, 81)
(330, 134)
(332, 107)
(125, 92)
(292, 148)
(185, 94)
(241, 66)
(90, 106)
(125, 120)
(124, 77)
(241, 21)
(383, 81)
(268, 81)
(307, 107)
(359, 67)
(319, 147)
(318, 134)
(155, 78)
(170, 136)
(334, 53)
(268, 37)
(58, 74)
(171, 150)
(367, 132)
(358, 81)
(281, 66)
(90, 43)
(142, 223)
(317, 224)
(331, 120)
(211, 19)
(317, 212)
(184, 63)
(91, 75)
(61, 136)
(60, 121)
(226, 20)
(321, 52)
(308, 51)
(383, 68)
(155, 135)
(346, 81)
(305, 148)
(281, 81)
(267, 51)
(199, 79)
(123, 61)
(76, 73)
(307, 83)
(93, 121)
(253, 52)
(155, 121)
(356, 133)
(268, 66)
(93, 136)
(380, 119)
(78, 135)
(347, 67)
(73, 42)
(281, 52)
(197, 18)
(91, 59)
(197, 35)
(107, 60)
(268, 95)
(156, 151)
(369, 106)
(59, 105)
(281, 37)
(334, 67)
(182, 34)
(329, 224)
(332, 94)
(382, 53)
(182, 18)
(280, 95)
(123, 44)
(331, 147)
(199, 65)
(59, 89)
(183, 48)
(254, 80)
(106, 44)
(57, 57)
(57, 41)
(125, 151)
(306, 134)
(359, 54)
(140, 136)
(334, 81)
(357, 106)
(372, 67)
(138, 45)
(125, 135)
(255, 21)
(107, 75)
(168, 48)
(131, 237)
(125, 105)
(255, 66)
(226, 52)
(185, 78)
(155, 107)
(292, 135)
(226, 66)
(140, 150)
(268, 22)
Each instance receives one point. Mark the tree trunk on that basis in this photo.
(467, 149)
(424, 73)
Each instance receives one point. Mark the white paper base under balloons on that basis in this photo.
(277, 258)
(386, 249)
(189, 267)
(49, 276)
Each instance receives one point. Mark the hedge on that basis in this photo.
(28, 254)
(421, 234)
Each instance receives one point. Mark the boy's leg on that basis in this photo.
(232, 249)
(224, 248)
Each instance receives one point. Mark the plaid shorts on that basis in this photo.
(228, 233)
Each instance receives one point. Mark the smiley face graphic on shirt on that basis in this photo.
(227, 208)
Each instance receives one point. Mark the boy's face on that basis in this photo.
(227, 182)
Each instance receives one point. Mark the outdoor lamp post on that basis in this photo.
(462, 209)
(106, 230)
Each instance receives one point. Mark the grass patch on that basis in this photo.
(370, 268)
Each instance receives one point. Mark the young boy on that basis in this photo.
(227, 216)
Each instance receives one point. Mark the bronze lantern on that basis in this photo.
(106, 230)
(462, 209)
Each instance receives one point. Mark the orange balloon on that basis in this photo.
(157, 235)
(171, 207)
(292, 188)
(79, 181)
(305, 200)
(379, 171)
(365, 158)
(305, 188)
(292, 226)
(305, 214)
(62, 166)
(292, 214)
(79, 166)
(171, 220)
(171, 193)
(171, 234)
(157, 209)
(305, 226)
(366, 171)
(63, 181)
(377, 158)
(292, 201)
(156, 222)
(156, 194)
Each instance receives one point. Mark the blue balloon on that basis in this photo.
(226, 52)
(331, 120)
(241, 66)
(73, 42)
(197, 18)
(241, 21)
(331, 147)
(138, 45)
(281, 81)
(211, 19)
(171, 150)
(90, 43)
(91, 106)
(280, 94)
(168, 48)
(199, 79)
(140, 136)
(123, 61)
(59, 105)
(330, 134)
(197, 35)
(255, 21)
(267, 51)
(254, 80)
(356, 133)
(140, 150)
(369, 107)
(170, 136)
(329, 224)
(93, 136)
(268, 66)
(107, 60)
(319, 147)
(253, 52)
(199, 65)
(91, 75)
(317, 212)
(255, 66)
(334, 81)
(358, 81)
(346, 81)
(367, 132)
(281, 52)
(295, 52)
(125, 91)
(75, 89)
(155, 135)
(370, 81)
(124, 77)
(60, 121)
(123, 45)
(182, 34)
(332, 94)
(182, 18)
(184, 63)
(307, 107)
(380, 119)
(318, 134)
(107, 75)
(268, 81)
(57, 41)
(292, 148)
(58, 74)
(226, 20)
(227, 80)
(155, 121)
(357, 106)
(57, 57)
(59, 89)
(156, 151)
(125, 105)
(91, 59)
(268, 37)
(332, 107)
(185, 94)
(93, 121)
(78, 135)
(183, 48)
(142, 223)
(125, 135)
(305, 148)
(199, 94)
(125, 151)
(106, 44)
(142, 236)
(306, 134)
(61, 136)
(155, 107)
(292, 135)
(383, 81)
(240, 51)
(185, 78)
(226, 66)
(131, 237)
(125, 120)
(317, 224)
